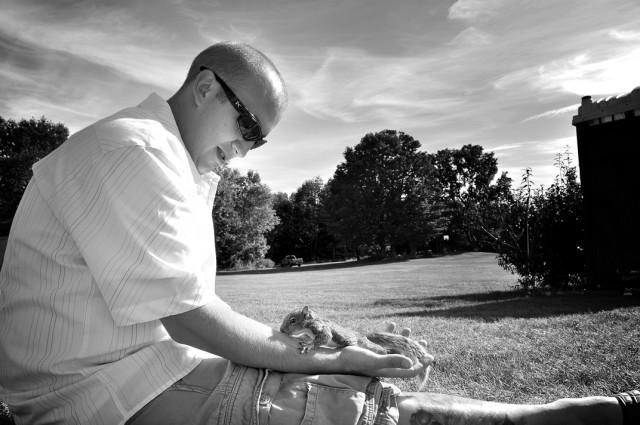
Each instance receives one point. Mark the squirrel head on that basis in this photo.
(296, 320)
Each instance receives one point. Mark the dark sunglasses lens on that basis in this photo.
(249, 127)
(258, 143)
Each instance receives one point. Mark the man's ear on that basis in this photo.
(204, 85)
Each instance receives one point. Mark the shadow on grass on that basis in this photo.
(493, 306)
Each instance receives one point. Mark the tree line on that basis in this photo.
(388, 199)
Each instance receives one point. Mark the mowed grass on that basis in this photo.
(491, 341)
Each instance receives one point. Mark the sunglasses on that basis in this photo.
(248, 124)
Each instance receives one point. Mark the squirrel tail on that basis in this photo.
(422, 378)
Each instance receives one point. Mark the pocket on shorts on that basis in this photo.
(329, 405)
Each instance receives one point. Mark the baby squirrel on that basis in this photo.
(303, 324)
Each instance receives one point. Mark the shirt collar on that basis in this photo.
(161, 109)
(207, 183)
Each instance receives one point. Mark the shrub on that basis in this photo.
(543, 236)
(21, 145)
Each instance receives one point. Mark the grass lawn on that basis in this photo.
(491, 341)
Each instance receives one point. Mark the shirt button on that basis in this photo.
(264, 399)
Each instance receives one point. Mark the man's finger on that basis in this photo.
(411, 372)
(399, 362)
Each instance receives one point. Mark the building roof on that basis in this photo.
(612, 108)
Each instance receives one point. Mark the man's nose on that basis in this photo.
(241, 147)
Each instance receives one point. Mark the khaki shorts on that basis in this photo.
(259, 397)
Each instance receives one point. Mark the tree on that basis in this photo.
(482, 216)
(563, 236)
(301, 230)
(21, 145)
(543, 238)
(465, 177)
(306, 217)
(242, 215)
(516, 240)
(282, 239)
(465, 170)
(383, 194)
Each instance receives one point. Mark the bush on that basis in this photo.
(21, 145)
(543, 238)
(15, 173)
(265, 263)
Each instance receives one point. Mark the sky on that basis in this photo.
(505, 74)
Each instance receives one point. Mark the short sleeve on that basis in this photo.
(143, 230)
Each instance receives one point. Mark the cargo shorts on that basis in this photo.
(249, 396)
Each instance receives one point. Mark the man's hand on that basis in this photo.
(426, 361)
(360, 361)
(219, 330)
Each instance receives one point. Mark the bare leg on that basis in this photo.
(439, 409)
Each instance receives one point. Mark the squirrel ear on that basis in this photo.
(306, 312)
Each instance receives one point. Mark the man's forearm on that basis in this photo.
(218, 329)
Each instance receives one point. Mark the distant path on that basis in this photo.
(348, 264)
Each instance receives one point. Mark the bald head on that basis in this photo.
(247, 71)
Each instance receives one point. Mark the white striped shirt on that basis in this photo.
(113, 233)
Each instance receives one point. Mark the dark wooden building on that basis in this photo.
(608, 133)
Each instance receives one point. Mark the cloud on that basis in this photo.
(352, 86)
(506, 147)
(537, 154)
(471, 38)
(554, 112)
(37, 80)
(612, 71)
(473, 10)
(113, 33)
(625, 35)
(18, 54)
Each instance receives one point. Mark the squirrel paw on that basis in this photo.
(305, 347)
(391, 328)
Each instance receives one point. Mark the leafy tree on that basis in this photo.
(543, 236)
(465, 176)
(465, 170)
(563, 237)
(307, 220)
(482, 215)
(21, 145)
(342, 211)
(242, 215)
(383, 193)
(282, 239)
(30, 136)
(301, 230)
(516, 239)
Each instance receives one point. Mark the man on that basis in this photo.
(108, 281)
